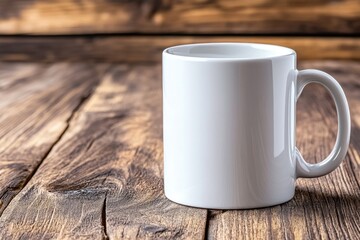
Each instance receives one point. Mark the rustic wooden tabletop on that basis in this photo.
(81, 157)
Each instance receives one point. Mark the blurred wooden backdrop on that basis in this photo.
(137, 30)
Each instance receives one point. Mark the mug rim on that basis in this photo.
(277, 51)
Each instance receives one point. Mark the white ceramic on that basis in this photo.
(229, 125)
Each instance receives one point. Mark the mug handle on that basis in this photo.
(308, 170)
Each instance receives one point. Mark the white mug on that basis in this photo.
(229, 125)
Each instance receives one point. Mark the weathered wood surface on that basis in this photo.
(140, 49)
(35, 107)
(103, 177)
(164, 16)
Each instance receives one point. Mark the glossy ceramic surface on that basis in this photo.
(229, 125)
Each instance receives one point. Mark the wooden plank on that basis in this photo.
(137, 49)
(36, 103)
(323, 208)
(221, 16)
(104, 177)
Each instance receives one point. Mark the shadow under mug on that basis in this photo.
(229, 124)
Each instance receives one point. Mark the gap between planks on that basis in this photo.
(103, 217)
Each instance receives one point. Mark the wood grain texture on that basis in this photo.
(104, 177)
(36, 103)
(323, 208)
(137, 49)
(164, 16)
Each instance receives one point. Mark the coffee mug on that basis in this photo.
(229, 125)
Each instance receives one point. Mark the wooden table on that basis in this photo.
(81, 158)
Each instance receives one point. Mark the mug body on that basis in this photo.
(229, 125)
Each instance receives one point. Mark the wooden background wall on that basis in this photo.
(137, 30)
